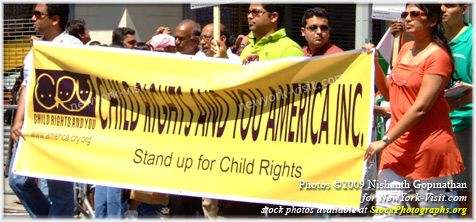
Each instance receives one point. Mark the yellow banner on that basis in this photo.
(291, 131)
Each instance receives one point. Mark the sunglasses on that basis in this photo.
(255, 12)
(39, 14)
(412, 14)
(314, 28)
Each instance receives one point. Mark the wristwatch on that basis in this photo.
(386, 140)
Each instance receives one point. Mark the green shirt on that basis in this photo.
(275, 46)
(462, 49)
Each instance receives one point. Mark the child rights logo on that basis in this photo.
(55, 92)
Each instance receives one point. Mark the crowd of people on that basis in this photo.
(419, 145)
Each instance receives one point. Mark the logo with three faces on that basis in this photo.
(64, 92)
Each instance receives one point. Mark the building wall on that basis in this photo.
(101, 19)
(17, 29)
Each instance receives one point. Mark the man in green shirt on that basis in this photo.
(460, 38)
(268, 40)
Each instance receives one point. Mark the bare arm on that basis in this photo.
(382, 110)
(463, 100)
(396, 27)
(160, 30)
(429, 91)
(250, 58)
(381, 79)
(221, 46)
(18, 123)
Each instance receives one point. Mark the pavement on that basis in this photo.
(12, 210)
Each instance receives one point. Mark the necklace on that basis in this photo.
(396, 82)
(412, 51)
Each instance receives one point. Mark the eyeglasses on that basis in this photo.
(412, 14)
(206, 38)
(38, 14)
(255, 12)
(313, 28)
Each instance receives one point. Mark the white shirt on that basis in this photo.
(232, 55)
(199, 53)
(63, 38)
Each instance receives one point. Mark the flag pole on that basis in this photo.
(216, 26)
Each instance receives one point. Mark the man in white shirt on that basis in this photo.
(50, 21)
(209, 47)
(77, 28)
(187, 36)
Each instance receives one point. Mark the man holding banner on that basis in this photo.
(50, 21)
(268, 41)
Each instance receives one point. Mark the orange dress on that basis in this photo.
(428, 150)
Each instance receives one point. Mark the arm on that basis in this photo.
(238, 41)
(464, 100)
(160, 30)
(163, 30)
(18, 123)
(381, 79)
(429, 91)
(396, 27)
(34, 38)
(382, 111)
(221, 47)
(250, 58)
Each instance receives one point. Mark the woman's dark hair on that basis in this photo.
(437, 34)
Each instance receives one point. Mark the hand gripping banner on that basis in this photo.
(291, 131)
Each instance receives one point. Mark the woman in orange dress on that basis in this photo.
(419, 149)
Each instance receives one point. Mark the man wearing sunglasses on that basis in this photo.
(50, 21)
(269, 40)
(315, 28)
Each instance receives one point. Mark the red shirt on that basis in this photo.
(428, 150)
(327, 49)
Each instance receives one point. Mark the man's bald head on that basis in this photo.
(187, 37)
